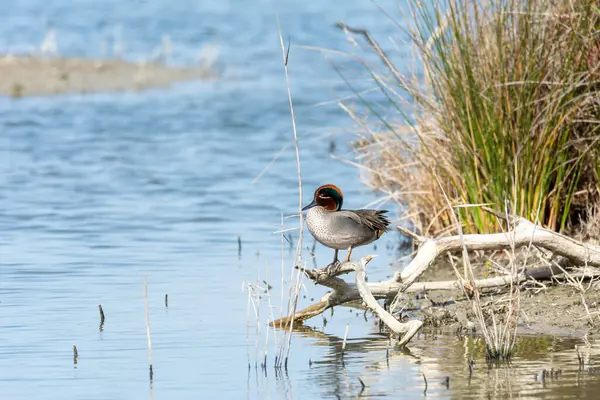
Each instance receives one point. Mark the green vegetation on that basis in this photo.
(507, 114)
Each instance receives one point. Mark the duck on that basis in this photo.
(342, 229)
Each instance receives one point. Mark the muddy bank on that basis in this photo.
(31, 76)
(558, 309)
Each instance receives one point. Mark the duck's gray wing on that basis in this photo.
(375, 220)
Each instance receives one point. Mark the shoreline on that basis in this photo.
(557, 310)
(24, 76)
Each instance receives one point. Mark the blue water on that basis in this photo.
(98, 191)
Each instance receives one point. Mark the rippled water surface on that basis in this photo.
(99, 191)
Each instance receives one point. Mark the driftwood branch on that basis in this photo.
(409, 328)
(521, 232)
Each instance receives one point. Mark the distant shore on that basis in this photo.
(35, 76)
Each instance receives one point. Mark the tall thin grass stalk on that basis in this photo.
(148, 329)
(282, 267)
(254, 301)
(298, 258)
(256, 296)
(248, 325)
(271, 314)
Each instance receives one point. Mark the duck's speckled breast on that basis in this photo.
(336, 230)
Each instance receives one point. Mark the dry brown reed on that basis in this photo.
(507, 108)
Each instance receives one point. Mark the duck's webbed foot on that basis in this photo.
(335, 262)
(331, 268)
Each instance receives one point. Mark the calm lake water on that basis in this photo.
(99, 191)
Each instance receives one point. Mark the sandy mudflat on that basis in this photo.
(27, 75)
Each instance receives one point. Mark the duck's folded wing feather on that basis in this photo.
(372, 219)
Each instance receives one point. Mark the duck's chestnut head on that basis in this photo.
(329, 197)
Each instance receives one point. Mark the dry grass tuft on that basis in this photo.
(590, 228)
(509, 109)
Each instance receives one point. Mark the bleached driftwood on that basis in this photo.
(521, 233)
(409, 329)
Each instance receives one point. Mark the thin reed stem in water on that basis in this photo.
(499, 339)
(282, 267)
(271, 315)
(148, 329)
(257, 309)
(248, 325)
(345, 339)
(298, 258)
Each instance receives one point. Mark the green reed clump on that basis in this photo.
(509, 109)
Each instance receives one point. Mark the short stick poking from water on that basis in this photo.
(239, 247)
(148, 329)
(579, 358)
(167, 300)
(75, 355)
(362, 385)
(446, 382)
(101, 327)
(424, 380)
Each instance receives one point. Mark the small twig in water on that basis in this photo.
(424, 380)
(362, 385)
(239, 247)
(101, 317)
(579, 358)
(75, 355)
(167, 300)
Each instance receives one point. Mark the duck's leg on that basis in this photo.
(335, 259)
(349, 253)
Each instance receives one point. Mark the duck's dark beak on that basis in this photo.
(311, 205)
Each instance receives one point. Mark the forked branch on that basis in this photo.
(409, 328)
